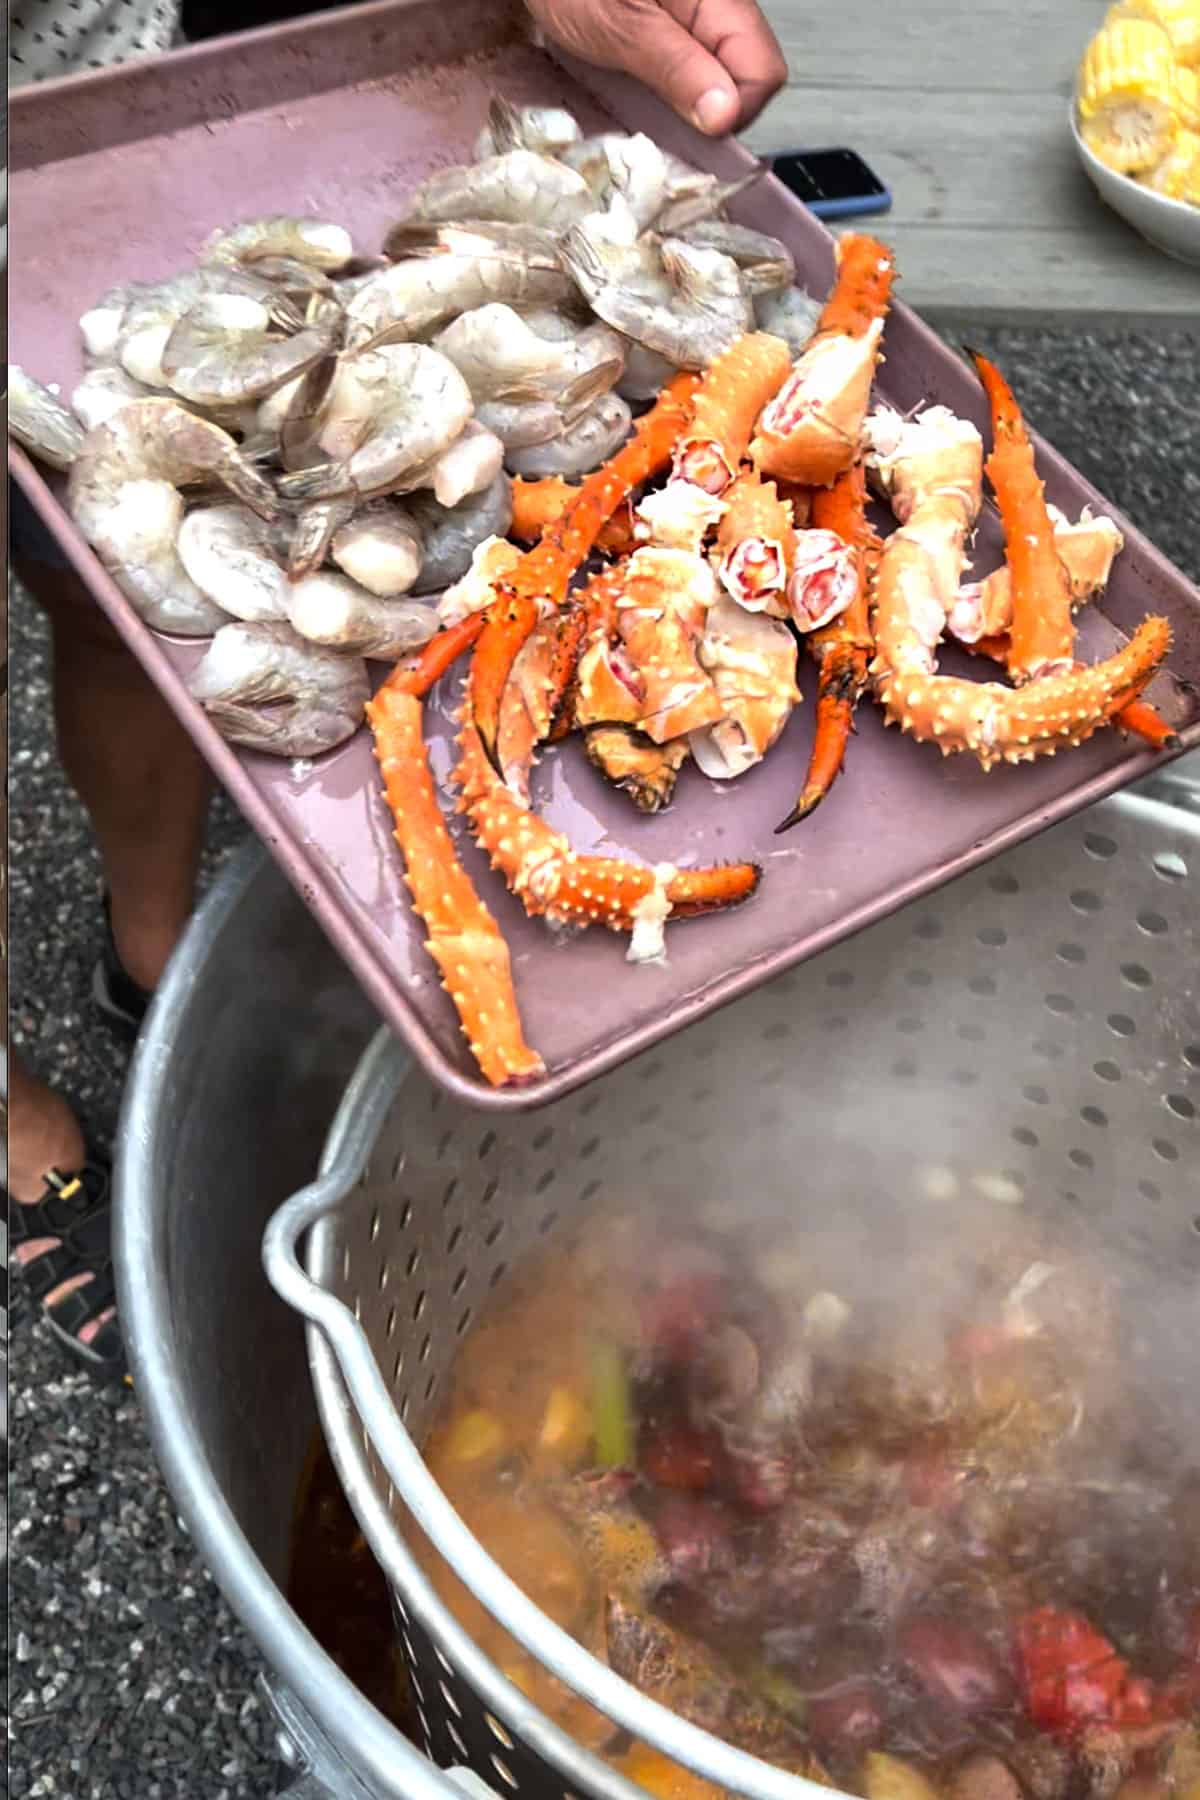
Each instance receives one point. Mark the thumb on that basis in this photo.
(664, 55)
(641, 38)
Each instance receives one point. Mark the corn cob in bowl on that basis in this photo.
(1136, 118)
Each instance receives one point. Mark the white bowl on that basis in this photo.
(1170, 225)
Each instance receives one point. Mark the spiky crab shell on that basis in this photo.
(998, 724)
(735, 388)
(555, 882)
(464, 939)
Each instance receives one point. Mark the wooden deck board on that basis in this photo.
(964, 113)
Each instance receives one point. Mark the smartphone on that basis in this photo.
(834, 184)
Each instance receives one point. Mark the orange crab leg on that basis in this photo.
(464, 939)
(735, 388)
(842, 649)
(1043, 628)
(545, 571)
(1139, 717)
(417, 673)
(554, 882)
(539, 504)
(810, 431)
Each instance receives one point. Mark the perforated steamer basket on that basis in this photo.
(1041, 1010)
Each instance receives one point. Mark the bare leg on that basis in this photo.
(146, 791)
(144, 784)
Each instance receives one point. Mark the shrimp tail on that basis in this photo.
(1043, 629)
(842, 649)
(464, 939)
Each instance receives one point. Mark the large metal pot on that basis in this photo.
(1043, 1008)
(243, 1059)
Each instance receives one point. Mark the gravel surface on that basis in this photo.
(129, 1676)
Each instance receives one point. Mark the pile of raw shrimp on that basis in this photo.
(289, 448)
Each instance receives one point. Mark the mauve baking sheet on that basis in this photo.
(122, 175)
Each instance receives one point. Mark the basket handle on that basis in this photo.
(360, 1117)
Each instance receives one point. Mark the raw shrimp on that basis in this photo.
(646, 372)
(590, 441)
(502, 357)
(124, 495)
(521, 423)
(40, 421)
(236, 559)
(519, 187)
(545, 129)
(638, 172)
(100, 326)
(751, 661)
(708, 309)
(102, 392)
(391, 411)
(264, 687)
(282, 235)
(790, 314)
(451, 535)
(470, 464)
(332, 610)
(152, 316)
(380, 549)
(766, 263)
(557, 323)
(472, 265)
(223, 352)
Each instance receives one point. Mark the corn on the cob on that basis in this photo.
(1178, 174)
(1180, 19)
(1127, 101)
(1187, 99)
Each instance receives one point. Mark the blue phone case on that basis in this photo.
(851, 208)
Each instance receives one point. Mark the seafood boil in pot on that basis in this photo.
(915, 1515)
(577, 439)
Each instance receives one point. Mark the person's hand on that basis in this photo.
(717, 62)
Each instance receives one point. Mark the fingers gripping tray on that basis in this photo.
(122, 174)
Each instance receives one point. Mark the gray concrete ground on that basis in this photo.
(129, 1676)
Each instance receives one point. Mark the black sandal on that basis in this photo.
(75, 1209)
(116, 995)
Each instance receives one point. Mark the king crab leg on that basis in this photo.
(735, 388)
(810, 431)
(842, 649)
(931, 469)
(464, 939)
(1043, 627)
(555, 882)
